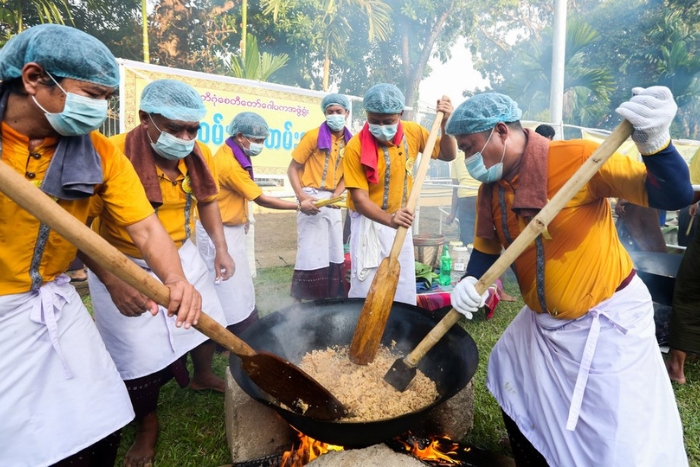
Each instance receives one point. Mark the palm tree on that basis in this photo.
(337, 30)
(17, 15)
(587, 89)
(678, 60)
(256, 66)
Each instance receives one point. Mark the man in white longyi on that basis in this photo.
(175, 171)
(578, 373)
(63, 401)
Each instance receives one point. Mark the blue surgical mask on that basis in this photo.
(336, 122)
(80, 114)
(254, 149)
(383, 132)
(169, 146)
(477, 169)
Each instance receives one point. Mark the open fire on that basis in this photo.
(440, 450)
(308, 449)
(434, 450)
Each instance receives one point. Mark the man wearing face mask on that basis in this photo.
(316, 172)
(378, 165)
(578, 373)
(62, 397)
(176, 174)
(234, 167)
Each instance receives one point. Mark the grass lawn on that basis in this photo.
(192, 424)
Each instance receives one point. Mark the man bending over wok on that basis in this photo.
(578, 373)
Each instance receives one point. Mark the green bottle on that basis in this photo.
(445, 266)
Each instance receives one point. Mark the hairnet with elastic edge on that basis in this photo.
(250, 124)
(482, 112)
(172, 99)
(337, 99)
(384, 98)
(62, 51)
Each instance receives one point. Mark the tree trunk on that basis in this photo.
(413, 74)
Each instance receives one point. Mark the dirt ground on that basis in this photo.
(275, 234)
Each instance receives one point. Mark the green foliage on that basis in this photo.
(18, 15)
(612, 46)
(257, 66)
(587, 88)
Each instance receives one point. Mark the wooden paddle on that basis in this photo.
(403, 370)
(375, 311)
(279, 378)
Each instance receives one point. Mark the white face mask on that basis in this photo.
(383, 132)
(80, 115)
(254, 149)
(336, 122)
(169, 146)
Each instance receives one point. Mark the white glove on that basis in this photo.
(466, 299)
(650, 111)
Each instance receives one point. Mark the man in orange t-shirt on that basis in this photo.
(175, 171)
(234, 168)
(378, 171)
(64, 402)
(316, 172)
(579, 366)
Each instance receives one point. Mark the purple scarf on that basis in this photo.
(241, 157)
(324, 137)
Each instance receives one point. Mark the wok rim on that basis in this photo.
(288, 415)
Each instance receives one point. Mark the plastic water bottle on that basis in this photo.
(460, 258)
(445, 266)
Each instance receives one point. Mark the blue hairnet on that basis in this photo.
(250, 124)
(172, 99)
(482, 112)
(384, 98)
(62, 51)
(337, 99)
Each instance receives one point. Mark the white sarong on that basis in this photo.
(361, 280)
(319, 237)
(592, 391)
(237, 294)
(60, 390)
(142, 345)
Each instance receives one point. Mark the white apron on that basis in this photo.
(319, 237)
(59, 391)
(362, 277)
(592, 391)
(237, 294)
(143, 345)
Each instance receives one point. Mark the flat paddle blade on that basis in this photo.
(400, 375)
(375, 312)
(291, 386)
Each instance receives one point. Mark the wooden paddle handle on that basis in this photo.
(325, 202)
(46, 210)
(529, 234)
(422, 171)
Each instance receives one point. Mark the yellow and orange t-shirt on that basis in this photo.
(401, 163)
(322, 170)
(584, 260)
(236, 187)
(121, 194)
(177, 214)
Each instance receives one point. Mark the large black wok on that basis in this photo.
(294, 331)
(658, 271)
